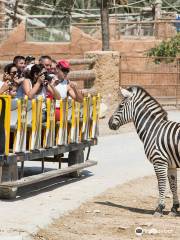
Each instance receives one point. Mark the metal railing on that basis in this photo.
(47, 28)
(162, 29)
(44, 28)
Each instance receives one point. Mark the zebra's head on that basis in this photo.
(124, 112)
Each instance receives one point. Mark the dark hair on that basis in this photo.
(29, 58)
(37, 68)
(8, 67)
(45, 57)
(54, 61)
(17, 59)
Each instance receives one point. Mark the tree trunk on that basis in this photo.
(15, 12)
(105, 24)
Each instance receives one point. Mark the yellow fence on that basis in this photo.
(30, 125)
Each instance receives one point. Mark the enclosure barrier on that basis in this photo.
(29, 131)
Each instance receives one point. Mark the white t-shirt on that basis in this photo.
(62, 90)
(1, 84)
(43, 93)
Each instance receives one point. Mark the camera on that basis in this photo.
(48, 78)
(20, 74)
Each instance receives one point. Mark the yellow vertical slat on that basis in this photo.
(77, 121)
(48, 106)
(93, 120)
(94, 113)
(84, 110)
(66, 123)
(73, 114)
(33, 115)
(61, 113)
(7, 123)
(98, 105)
(19, 115)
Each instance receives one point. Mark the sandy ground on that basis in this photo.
(115, 215)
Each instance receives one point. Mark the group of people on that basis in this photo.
(47, 78)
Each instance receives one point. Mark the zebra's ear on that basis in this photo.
(126, 93)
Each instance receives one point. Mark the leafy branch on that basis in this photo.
(167, 50)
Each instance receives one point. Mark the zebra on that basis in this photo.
(161, 138)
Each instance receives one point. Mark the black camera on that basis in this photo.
(20, 74)
(47, 78)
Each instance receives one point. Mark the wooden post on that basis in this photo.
(82, 75)
(10, 172)
(104, 11)
(0, 174)
(2, 19)
(158, 12)
(158, 9)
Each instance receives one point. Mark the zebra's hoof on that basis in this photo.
(173, 214)
(159, 211)
(174, 210)
(158, 214)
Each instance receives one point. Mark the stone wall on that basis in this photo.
(106, 68)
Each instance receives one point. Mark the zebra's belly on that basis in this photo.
(166, 146)
(164, 152)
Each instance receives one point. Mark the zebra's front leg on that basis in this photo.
(172, 177)
(161, 174)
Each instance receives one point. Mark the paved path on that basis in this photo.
(120, 158)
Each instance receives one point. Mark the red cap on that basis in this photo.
(63, 64)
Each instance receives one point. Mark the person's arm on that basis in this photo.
(18, 81)
(31, 91)
(4, 87)
(53, 91)
(74, 92)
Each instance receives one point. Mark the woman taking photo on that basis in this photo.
(10, 82)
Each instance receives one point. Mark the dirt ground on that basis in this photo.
(115, 215)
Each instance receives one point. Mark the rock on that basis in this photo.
(148, 224)
(88, 211)
(122, 227)
(97, 211)
(153, 231)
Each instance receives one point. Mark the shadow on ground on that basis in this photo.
(132, 209)
(46, 186)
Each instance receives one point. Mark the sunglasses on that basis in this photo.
(13, 73)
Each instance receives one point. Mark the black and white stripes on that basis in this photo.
(161, 138)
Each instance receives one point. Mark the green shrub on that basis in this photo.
(167, 49)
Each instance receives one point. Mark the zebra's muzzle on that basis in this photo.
(112, 124)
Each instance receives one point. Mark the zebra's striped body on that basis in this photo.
(161, 138)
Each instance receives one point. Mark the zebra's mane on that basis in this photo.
(138, 88)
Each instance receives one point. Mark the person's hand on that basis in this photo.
(73, 84)
(41, 79)
(17, 80)
(45, 83)
(12, 92)
(54, 82)
(6, 77)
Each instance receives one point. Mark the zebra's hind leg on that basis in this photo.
(161, 174)
(172, 177)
